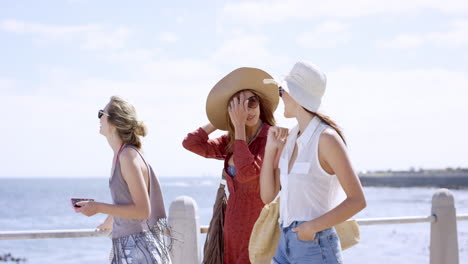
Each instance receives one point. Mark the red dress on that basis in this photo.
(244, 202)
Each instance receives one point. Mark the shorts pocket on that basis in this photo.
(315, 240)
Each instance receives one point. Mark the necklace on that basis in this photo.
(256, 132)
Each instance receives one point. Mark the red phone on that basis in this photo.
(76, 200)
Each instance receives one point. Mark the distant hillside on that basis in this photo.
(443, 178)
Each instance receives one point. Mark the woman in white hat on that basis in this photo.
(242, 104)
(312, 167)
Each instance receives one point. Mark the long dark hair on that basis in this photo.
(327, 120)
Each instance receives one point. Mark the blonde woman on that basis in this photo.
(137, 215)
(311, 166)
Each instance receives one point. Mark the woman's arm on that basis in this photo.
(269, 175)
(209, 128)
(334, 159)
(131, 168)
(199, 143)
(247, 164)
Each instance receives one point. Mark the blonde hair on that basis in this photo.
(123, 116)
(266, 116)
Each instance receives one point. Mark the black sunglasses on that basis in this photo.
(253, 101)
(101, 113)
(280, 91)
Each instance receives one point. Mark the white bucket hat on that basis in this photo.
(306, 84)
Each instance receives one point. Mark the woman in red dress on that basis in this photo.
(243, 105)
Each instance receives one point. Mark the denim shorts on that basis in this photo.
(324, 248)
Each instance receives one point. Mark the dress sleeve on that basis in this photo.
(199, 143)
(248, 165)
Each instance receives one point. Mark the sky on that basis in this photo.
(397, 76)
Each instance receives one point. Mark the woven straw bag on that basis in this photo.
(266, 232)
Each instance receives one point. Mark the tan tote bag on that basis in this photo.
(266, 232)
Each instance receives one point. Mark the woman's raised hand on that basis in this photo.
(238, 111)
(277, 136)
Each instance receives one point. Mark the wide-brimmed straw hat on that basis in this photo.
(238, 80)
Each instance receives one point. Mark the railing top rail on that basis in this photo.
(43, 234)
(396, 220)
(74, 233)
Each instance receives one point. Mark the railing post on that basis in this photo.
(185, 231)
(444, 240)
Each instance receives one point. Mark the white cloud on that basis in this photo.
(242, 49)
(401, 119)
(273, 11)
(50, 31)
(403, 41)
(455, 36)
(391, 119)
(133, 56)
(7, 86)
(245, 48)
(168, 37)
(325, 35)
(154, 78)
(89, 37)
(103, 38)
(331, 27)
(169, 95)
(180, 20)
(76, 1)
(60, 116)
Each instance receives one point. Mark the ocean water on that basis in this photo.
(43, 204)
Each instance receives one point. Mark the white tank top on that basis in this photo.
(308, 191)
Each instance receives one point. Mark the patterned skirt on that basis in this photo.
(140, 248)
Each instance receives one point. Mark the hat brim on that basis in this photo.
(301, 97)
(238, 80)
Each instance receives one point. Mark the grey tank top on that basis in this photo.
(121, 196)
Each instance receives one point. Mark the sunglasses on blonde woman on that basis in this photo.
(101, 113)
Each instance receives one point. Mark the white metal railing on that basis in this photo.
(74, 233)
(397, 220)
(43, 234)
(183, 219)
